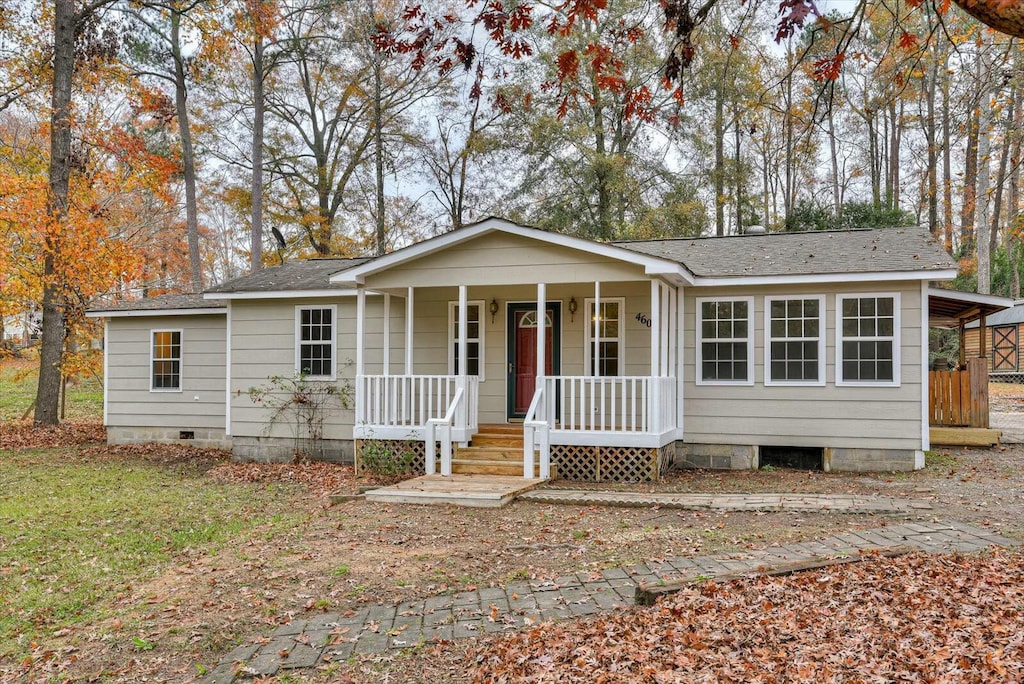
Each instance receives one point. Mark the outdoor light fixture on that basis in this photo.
(493, 309)
(572, 308)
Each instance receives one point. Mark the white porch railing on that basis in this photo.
(399, 406)
(537, 432)
(424, 407)
(598, 411)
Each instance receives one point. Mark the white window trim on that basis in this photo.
(181, 360)
(768, 339)
(334, 340)
(896, 346)
(699, 379)
(454, 335)
(588, 348)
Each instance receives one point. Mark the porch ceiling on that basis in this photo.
(950, 309)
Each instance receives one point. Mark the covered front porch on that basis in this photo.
(604, 405)
(500, 324)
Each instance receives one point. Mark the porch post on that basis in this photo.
(666, 330)
(386, 363)
(653, 393)
(408, 332)
(680, 342)
(655, 328)
(595, 361)
(541, 311)
(360, 330)
(463, 410)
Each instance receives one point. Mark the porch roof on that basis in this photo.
(653, 265)
(951, 308)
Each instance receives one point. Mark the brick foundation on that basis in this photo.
(202, 438)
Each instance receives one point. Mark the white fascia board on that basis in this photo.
(652, 265)
(280, 294)
(971, 297)
(156, 312)
(826, 278)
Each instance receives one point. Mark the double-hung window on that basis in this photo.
(794, 340)
(725, 341)
(474, 338)
(608, 319)
(315, 341)
(867, 343)
(165, 368)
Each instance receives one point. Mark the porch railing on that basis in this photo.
(602, 411)
(630, 404)
(536, 432)
(399, 406)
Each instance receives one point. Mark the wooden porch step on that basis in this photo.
(497, 440)
(500, 429)
(489, 453)
(475, 466)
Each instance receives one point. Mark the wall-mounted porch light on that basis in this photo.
(572, 308)
(493, 308)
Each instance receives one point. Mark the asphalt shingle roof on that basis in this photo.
(308, 274)
(812, 253)
(164, 302)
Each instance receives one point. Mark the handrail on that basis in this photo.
(445, 425)
(536, 436)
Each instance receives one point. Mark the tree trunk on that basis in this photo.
(187, 157)
(1004, 158)
(981, 213)
(719, 172)
(1007, 17)
(739, 174)
(378, 158)
(259, 110)
(970, 197)
(947, 175)
(929, 134)
(1013, 204)
(51, 354)
(837, 201)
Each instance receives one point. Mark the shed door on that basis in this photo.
(1004, 348)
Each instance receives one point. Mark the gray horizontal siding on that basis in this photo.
(200, 403)
(855, 417)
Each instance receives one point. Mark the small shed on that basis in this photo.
(1002, 340)
(958, 398)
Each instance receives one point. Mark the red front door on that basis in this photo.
(522, 354)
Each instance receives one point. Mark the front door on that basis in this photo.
(1004, 348)
(522, 353)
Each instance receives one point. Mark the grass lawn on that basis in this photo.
(18, 382)
(77, 533)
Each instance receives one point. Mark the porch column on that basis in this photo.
(666, 330)
(408, 332)
(541, 311)
(654, 386)
(360, 343)
(386, 363)
(655, 328)
(595, 361)
(680, 344)
(463, 329)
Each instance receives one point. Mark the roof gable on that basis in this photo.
(652, 264)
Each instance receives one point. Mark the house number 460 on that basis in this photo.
(644, 320)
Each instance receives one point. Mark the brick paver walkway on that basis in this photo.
(836, 503)
(377, 628)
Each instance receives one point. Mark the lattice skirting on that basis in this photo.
(396, 448)
(611, 464)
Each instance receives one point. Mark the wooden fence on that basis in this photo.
(959, 398)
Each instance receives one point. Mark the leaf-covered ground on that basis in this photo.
(917, 618)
